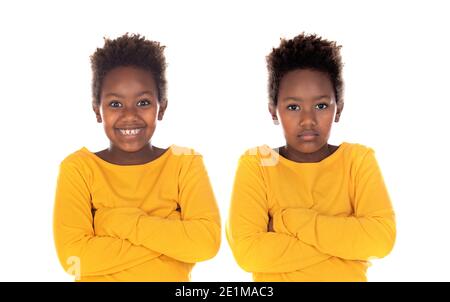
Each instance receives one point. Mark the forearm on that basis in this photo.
(269, 252)
(89, 255)
(352, 238)
(185, 240)
(189, 241)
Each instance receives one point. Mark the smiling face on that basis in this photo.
(306, 108)
(129, 108)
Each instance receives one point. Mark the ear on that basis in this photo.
(96, 109)
(340, 107)
(162, 109)
(273, 112)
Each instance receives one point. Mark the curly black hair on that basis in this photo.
(129, 50)
(305, 52)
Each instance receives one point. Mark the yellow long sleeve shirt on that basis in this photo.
(149, 222)
(329, 218)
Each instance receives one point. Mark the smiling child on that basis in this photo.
(308, 210)
(133, 211)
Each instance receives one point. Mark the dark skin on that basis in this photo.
(270, 225)
(129, 108)
(306, 108)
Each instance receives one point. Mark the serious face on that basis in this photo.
(306, 108)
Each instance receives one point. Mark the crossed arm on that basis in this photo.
(193, 238)
(74, 235)
(119, 238)
(295, 238)
(369, 233)
(254, 248)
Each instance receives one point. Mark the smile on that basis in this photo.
(130, 132)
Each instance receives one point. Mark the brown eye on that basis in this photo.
(322, 106)
(143, 103)
(115, 104)
(293, 107)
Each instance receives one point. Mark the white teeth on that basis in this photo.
(130, 131)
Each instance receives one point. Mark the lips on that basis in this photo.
(308, 135)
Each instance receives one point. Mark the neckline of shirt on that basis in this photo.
(107, 163)
(324, 161)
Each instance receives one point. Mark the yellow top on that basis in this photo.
(329, 217)
(152, 221)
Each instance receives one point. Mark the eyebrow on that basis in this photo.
(137, 95)
(296, 99)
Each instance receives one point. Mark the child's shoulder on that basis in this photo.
(359, 155)
(356, 150)
(262, 155)
(182, 151)
(186, 160)
(76, 162)
(77, 157)
(258, 152)
(184, 157)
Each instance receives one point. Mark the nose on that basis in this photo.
(307, 118)
(130, 113)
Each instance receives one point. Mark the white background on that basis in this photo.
(396, 56)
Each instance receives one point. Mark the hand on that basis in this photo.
(270, 225)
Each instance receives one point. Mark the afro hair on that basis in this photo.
(305, 52)
(129, 50)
